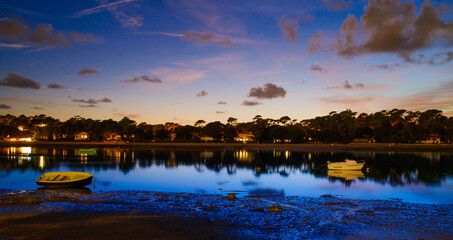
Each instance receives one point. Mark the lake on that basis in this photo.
(416, 177)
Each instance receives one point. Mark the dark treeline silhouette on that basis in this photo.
(395, 126)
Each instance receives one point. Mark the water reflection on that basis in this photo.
(385, 168)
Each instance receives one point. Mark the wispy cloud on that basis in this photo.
(55, 86)
(91, 102)
(267, 73)
(336, 4)
(144, 78)
(290, 28)
(126, 19)
(13, 45)
(346, 100)
(123, 115)
(221, 103)
(178, 76)
(250, 103)
(97, 9)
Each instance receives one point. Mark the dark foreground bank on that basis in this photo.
(81, 214)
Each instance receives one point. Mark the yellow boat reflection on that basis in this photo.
(346, 175)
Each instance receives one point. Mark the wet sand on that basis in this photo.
(82, 214)
(294, 147)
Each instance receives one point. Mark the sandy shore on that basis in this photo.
(82, 214)
(301, 147)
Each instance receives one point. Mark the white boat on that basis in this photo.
(347, 165)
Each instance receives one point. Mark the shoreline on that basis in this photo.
(260, 146)
(82, 214)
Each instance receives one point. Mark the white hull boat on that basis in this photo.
(347, 165)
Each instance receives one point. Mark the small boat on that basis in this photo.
(348, 165)
(65, 179)
(88, 151)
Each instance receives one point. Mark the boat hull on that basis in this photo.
(347, 165)
(75, 179)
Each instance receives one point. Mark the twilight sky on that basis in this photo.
(181, 60)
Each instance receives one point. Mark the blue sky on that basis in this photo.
(180, 61)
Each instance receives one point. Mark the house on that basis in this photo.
(244, 137)
(206, 138)
(433, 139)
(112, 137)
(81, 136)
(363, 140)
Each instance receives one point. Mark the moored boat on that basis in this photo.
(88, 151)
(65, 179)
(347, 165)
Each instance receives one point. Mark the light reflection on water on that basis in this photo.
(421, 177)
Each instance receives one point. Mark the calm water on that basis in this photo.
(419, 177)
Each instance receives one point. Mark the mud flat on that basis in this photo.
(83, 214)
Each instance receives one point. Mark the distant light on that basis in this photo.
(41, 162)
(25, 150)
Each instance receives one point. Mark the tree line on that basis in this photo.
(394, 126)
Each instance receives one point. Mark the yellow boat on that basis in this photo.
(65, 179)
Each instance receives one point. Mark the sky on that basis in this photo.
(182, 61)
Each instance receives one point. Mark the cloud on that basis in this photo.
(37, 108)
(393, 27)
(145, 78)
(290, 28)
(105, 100)
(221, 103)
(88, 71)
(336, 5)
(88, 106)
(4, 106)
(250, 103)
(97, 9)
(126, 19)
(80, 37)
(441, 58)
(314, 43)
(42, 35)
(18, 81)
(208, 38)
(202, 93)
(346, 100)
(349, 86)
(33, 101)
(316, 68)
(55, 86)
(438, 97)
(219, 112)
(178, 75)
(268, 92)
(131, 116)
(387, 66)
(91, 101)
(13, 45)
